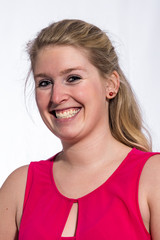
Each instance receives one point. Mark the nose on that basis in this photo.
(59, 93)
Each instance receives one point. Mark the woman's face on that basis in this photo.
(70, 93)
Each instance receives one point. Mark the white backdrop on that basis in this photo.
(133, 26)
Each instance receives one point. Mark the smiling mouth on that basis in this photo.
(67, 113)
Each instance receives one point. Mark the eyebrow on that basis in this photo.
(42, 75)
(68, 70)
(63, 72)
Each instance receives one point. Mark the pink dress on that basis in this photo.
(110, 212)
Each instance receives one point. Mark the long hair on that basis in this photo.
(125, 119)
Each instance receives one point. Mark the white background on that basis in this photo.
(133, 26)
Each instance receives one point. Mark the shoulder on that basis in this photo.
(14, 185)
(150, 177)
(151, 170)
(11, 199)
(15, 180)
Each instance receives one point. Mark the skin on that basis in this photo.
(85, 138)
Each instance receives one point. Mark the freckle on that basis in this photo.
(6, 208)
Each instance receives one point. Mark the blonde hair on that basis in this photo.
(124, 114)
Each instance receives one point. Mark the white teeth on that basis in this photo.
(67, 114)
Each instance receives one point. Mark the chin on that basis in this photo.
(67, 137)
(66, 134)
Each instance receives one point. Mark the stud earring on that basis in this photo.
(110, 94)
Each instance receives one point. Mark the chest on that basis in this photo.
(105, 213)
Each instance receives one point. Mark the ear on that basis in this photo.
(112, 85)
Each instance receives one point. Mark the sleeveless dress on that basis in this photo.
(110, 212)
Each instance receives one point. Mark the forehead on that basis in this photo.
(62, 56)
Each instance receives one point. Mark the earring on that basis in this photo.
(110, 94)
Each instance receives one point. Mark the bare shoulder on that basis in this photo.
(14, 184)
(15, 176)
(151, 172)
(150, 181)
(11, 202)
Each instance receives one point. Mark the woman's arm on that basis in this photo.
(150, 181)
(11, 203)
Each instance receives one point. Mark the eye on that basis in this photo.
(72, 79)
(44, 83)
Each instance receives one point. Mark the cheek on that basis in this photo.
(92, 91)
(43, 99)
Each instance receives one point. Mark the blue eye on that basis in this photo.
(44, 83)
(73, 79)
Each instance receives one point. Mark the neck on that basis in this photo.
(85, 153)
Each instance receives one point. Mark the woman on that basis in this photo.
(100, 186)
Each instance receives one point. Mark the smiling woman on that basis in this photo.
(104, 184)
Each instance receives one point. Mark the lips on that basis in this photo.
(65, 113)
